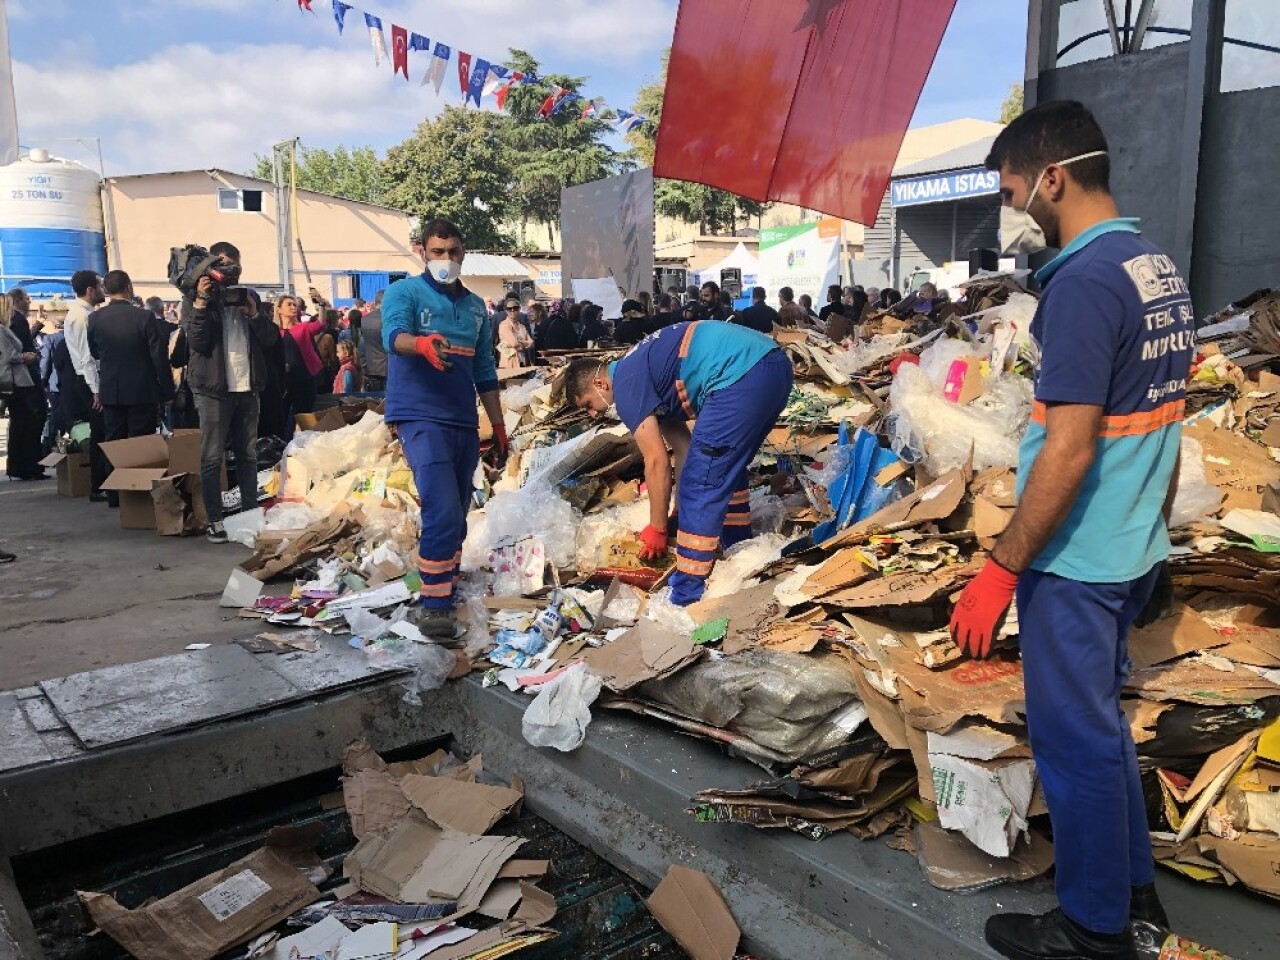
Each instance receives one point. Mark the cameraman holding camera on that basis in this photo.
(226, 337)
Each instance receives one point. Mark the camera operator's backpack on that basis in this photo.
(187, 265)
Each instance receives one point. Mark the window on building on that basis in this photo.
(1084, 29)
(251, 201)
(231, 200)
(228, 200)
(1251, 49)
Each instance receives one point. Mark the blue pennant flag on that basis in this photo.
(340, 13)
(418, 42)
(567, 98)
(479, 73)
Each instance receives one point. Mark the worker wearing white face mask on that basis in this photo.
(439, 344)
(1085, 549)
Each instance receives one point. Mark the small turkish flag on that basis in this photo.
(400, 50)
(464, 74)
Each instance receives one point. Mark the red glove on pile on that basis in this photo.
(981, 610)
(654, 541)
(431, 349)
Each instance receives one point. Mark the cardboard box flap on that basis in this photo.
(53, 459)
(692, 909)
(133, 478)
(184, 452)
(148, 451)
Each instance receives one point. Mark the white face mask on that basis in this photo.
(611, 412)
(1019, 232)
(444, 271)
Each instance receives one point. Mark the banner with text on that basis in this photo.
(805, 257)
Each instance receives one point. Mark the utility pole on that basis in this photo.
(280, 156)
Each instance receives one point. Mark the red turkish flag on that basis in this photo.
(812, 111)
(464, 75)
(400, 50)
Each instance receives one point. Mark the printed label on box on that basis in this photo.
(234, 894)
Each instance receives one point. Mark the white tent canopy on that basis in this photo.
(741, 259)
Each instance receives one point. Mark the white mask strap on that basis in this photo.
(1060, 163)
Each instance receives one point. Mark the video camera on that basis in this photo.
(189, 264)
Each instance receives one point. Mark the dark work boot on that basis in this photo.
(1145, 905)
(1054, 936)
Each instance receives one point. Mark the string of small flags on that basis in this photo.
(477, 78)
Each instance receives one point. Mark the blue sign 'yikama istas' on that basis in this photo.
(810, 108)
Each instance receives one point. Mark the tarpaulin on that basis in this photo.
(804, 101)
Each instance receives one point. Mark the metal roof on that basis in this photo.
(492, 265)
(969, 155)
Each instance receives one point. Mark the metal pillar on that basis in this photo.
(1042, 47)
(284, 255)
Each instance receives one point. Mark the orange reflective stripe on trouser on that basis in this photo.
(437, 566)
(437, 589)
(737, 519)
(1128, 424)
(694, 568)
(695, 542)
(681, 391)
(741, 497)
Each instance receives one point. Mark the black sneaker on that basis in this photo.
(1054, 936)
(7, 557)
(216, 532)
(440, 626)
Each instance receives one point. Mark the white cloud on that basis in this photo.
(189, 106)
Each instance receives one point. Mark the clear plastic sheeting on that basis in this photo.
(734, 572)
(863, 354)
(559, 714)
(337, 452)
(1195, 497)
(768, 513)
(519, 396)
(596, 529)
(289, 516)
(536, 510)
(793, 704)
(662, 611)
(925, 426)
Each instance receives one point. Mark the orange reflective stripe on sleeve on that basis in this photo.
(681, 391)
(694, 568)
(694, 542)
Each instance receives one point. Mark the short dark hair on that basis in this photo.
(82, 281)
(377, 297)
(354, 315)
(712, 286)
(440, 227)
(667, 303)
(222, 247)
(154, 304)
(836, 289)
(1050, 133)
(758, 293)
(577, 379)
(786, 294)
(116, 281)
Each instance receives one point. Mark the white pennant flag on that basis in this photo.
(375, 34)
(439, 63)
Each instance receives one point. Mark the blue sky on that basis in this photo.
(137, 72)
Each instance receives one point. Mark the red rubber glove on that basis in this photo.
(431, 349)
(655, 542)
(981, 609)
(497, 454)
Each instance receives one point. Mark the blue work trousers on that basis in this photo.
(730, 428)
(443, 459)
(1075, 661)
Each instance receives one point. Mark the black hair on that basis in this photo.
(1050, 133)
(440, 227)
(758, 293)
(836, 289)
(667, 303)
(115, 282)
(712, 286)
(82, 281)
(577, 379)
(786, 294)
(154, 304)
(223, 248)
(889, 296)
(354, 316)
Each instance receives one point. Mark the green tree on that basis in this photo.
(356, 174)
(547, 154)
(455, 166)
(715, 211)
(1012, 107)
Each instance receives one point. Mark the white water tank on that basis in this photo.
(50, 223)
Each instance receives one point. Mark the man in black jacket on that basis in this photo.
(133, 362)
(227, 370)
(759, 316)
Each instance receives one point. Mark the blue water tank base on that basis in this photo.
(51, 224)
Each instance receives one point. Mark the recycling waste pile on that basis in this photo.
(820, 652)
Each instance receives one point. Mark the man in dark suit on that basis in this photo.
(133, 360)
(759, 316)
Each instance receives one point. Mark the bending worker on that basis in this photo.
(734, 382)
(1085, 551)
(439, 344)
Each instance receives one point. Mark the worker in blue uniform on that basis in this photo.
(1085, 551)
(439, 344)
(734, 382)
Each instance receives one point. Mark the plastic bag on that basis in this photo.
(740, 561)
(768, 513)
(331, 454)
(538, 511)
(863, 354)
(598, 529)
(519, 396)
(559, 714)
(924, 425)
(661, 610)
(1195, 497)
(431, 666)
(289, 516)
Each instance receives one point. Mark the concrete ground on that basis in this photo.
(84, 593)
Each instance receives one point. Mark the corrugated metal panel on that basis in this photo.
(926, 236)
(877, 250)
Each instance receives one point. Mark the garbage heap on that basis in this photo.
(820, 652)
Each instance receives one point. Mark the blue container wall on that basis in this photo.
(42, 261)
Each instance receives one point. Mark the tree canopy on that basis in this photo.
(1011, 107)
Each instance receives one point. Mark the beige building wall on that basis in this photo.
(153, 212)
